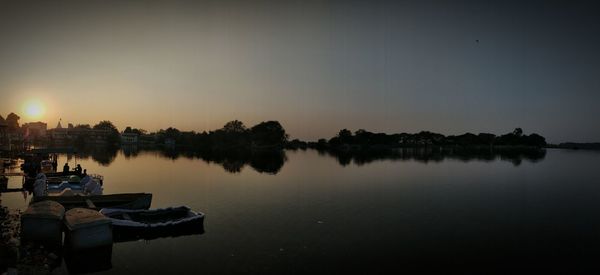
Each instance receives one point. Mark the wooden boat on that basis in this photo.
(97, 202)
(155, 223)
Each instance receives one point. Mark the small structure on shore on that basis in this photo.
(87, 229)
(42, 222)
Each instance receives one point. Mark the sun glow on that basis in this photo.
(34, 109)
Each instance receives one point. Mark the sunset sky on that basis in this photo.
(316, 66)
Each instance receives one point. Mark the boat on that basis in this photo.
(55, 186)
(52, 178)
(97, 202)
(150, 224)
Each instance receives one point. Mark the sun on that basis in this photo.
(34, 109)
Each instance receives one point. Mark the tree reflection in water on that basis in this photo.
(515, 155)
(271, 161)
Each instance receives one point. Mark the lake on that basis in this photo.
(304, 212)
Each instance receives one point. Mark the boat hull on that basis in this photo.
(130, 230)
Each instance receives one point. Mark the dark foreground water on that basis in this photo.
(309, 214)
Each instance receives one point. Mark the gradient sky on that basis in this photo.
(316, 66)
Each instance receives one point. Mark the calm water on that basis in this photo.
(313, 215)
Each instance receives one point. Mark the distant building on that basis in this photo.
(62, 135)
(147, 139)
(58, 134)
(129, 138)
(3, 134)
(35, 129)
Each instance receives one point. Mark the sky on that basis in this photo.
(316, 66)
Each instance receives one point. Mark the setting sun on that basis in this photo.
(34, 109)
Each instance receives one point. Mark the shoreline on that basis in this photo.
(19, 258)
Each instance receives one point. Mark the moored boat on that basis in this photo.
(154, 223)
(89, 185)
(97, 202)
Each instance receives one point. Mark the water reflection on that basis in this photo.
(89, 260)
(271, 162)
(425, 155)
(103, 155)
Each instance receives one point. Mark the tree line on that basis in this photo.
(362, 139)
(234, 135)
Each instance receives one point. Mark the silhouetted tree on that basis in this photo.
(128, 129)
(487, 139)
(518, 132)
(268, 133)
(534, 140)
(467, 139)
(83, 126)
(234, 126)
(12, 120)
(345, 136)
(113, 136)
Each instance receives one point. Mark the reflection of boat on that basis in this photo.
(124, 201)
(89, 260)
(155, 223)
